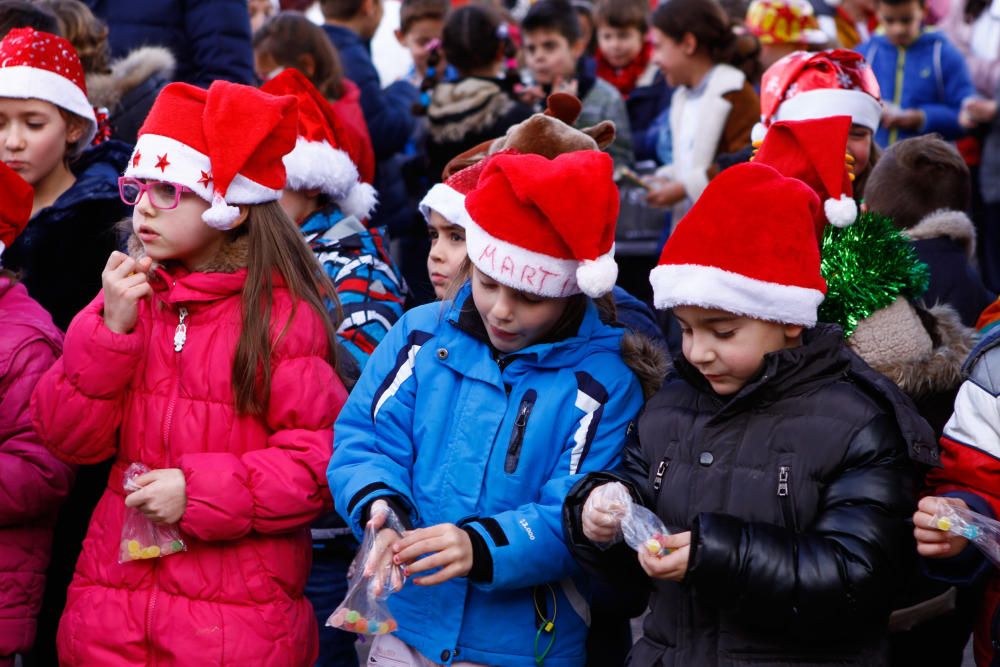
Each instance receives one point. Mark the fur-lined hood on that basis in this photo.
(470, 105)
(946, 222)
(107, 90)
(647, 360)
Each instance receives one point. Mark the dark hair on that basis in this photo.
(916, 177)
(623, 14)
(896, 3)
(413, 11)
(288, 36)
(340, 9)
(557, 15)
(471, 38)
(706, 20)
(973, 8)
(26, 14)
(87, 33)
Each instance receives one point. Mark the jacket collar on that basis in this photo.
(96, 172)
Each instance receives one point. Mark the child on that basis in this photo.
(35, 482)
(713, 107)
(260, 11)
(923, 76)
(476, 107)
(207, 356)
(923, 185)
(777, 460)
(421, 23)
(783, 27)
(474, 417)
(46, 123)
(553, 46)
(444, 210)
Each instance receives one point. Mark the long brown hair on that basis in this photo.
(275, 246)
(289, 36)
(706, 20)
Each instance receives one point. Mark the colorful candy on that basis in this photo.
(133, 550)
(351, 620)
(655, 545)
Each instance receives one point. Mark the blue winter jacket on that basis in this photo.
(454, 435)
(209, 38)
(932, 76)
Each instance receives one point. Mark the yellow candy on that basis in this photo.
(944, 523)
(134, 547)
(151, 552)
(653, 546)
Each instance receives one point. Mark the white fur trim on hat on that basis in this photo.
(519, 267)
(188, 167)
(317, 164)
(841, 212)
(23, 83)
(711, 287)
(863, 109)
(597, 277)
(360, 201)
(448, 202)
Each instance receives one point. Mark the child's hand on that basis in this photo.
(903, 119)
(602, 514)
(162, 496)
(446, 545)
(672, 566)
(380, 559)
(564, 85)
(125, 282)
(664, 193)
(529, 95)
(931, 541)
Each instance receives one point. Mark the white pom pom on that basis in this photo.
(221, 215)
(360, 201)
(841, 212)
(758, 133)
(596, 277)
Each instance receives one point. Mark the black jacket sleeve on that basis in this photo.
(840, 572)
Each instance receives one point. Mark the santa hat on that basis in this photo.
(321, 158)
(814, 152)
(42, 66)
(747, 246)
(545, 226)
(448, 198)
(816, 85)
(225, 143)
(784, 22)
(18, 198)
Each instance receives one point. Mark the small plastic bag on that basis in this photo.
(641, 528)
(981, 530)
(364, 610)
(141, 538)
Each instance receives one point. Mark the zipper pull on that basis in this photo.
(783, 475)
(181, 332)
(661, 470)
(522, 416)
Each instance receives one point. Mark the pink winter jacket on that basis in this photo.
(235, 597)
(33, 483)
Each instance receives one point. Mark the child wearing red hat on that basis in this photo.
(475, 416)
(777, 460)
(209, 357)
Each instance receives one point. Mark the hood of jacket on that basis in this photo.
(460, 107)
(126, 74)
(946, 223)
(97, 171)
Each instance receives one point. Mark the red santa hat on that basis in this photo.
(814, 151)
(321, 158)
(747, 246)
(805, 85)
(42, 66)
(546, 226)
(225, 143)
(448, 198)
(18, 198)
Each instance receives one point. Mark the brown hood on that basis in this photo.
(952, 224)
(647, 361)
(106, 90)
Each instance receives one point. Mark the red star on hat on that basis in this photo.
(163, 163)
(206, 178)
(136, 158)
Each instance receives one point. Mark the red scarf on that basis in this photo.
(624, 78)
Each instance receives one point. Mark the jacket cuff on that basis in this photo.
(482, 560)
(396, 504)
(712, 559)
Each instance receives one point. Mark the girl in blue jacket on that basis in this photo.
(474, 418)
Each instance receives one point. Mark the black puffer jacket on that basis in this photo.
(795, 490)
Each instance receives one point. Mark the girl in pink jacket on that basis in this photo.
(34, 482)
(208, 357)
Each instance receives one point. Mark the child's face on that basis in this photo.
(671, 57)
(619, 45)
(447, 252)
(178, 234)
(859, 145)
(264, 64)
(418, 39)
(514, 320)
(550, 56)
(901, 22)
(34, 137)
(729, 349)
(260, 11)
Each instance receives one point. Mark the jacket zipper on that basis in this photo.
(898, 96)
(517, 434)
(661, 470)
(785, 496)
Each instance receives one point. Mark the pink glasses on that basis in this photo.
(163, 195)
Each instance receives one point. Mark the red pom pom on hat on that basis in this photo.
(18, 198)
(747, 246)
(546, 226)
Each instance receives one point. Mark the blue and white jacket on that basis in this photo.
(452, 433)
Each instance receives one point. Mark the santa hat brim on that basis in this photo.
(317, 164)
(711, 287)
(30, 83)
(863, 109)
(448, 202)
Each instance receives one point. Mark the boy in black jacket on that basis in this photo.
(776, 458)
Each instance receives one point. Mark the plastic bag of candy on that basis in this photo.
(141, 538)
(981, 530)
(370, 583)
(641, 528)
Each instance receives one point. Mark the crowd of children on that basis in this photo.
(327, 306)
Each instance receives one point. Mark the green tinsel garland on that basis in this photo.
(866, 267)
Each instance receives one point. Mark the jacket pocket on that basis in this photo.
(517, 434)
(784, 492)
